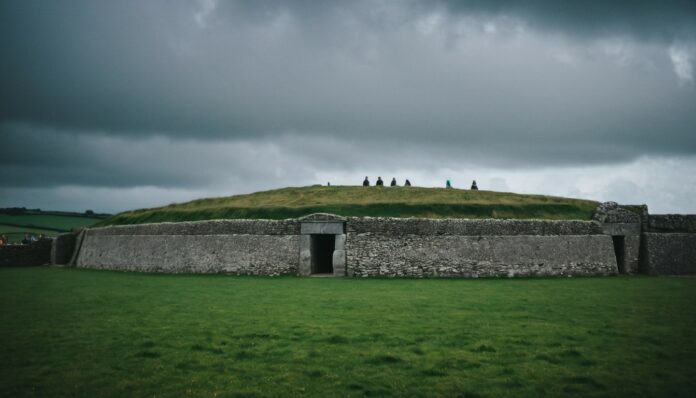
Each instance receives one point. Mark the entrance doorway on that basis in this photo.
(321, 248)
(619, 252)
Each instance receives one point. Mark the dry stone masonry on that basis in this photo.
(479, 256)
(669, 245)
(617, 240)
(251, 247)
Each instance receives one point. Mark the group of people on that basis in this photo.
(31, 238)
(380, 183)
(28, 239)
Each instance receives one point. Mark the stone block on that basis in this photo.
(324, 228)
(63, 248)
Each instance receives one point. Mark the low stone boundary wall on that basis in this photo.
(37, 253)
(476, 248)
(669, 253)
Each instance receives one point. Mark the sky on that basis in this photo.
(116, 105)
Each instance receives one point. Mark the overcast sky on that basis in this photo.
(114, 105)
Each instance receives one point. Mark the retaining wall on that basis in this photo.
(476, 248)
(256, 247)
(669, 245)
(669, 253)
(672, 223)
(373, 247)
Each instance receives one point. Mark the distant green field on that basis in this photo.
(72, 332)
(366, 201)
(14, 226)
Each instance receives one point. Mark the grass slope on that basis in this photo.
(366, 201)
(72, 332)
(16, 225)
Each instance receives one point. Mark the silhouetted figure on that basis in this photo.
(26, 240)
(449, 184)
(366, 183)
(473, 186)
(408, 183)
(393, 183)
(379, 183)
(328, 184)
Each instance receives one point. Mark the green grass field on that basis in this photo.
(366, 201)
(14, 226)
(85, 333)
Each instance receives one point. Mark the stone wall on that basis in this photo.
(476, 248)
(669, 244)
(669, 253)
(452, 226)
(213, 227)
(672, 223)
(254, 247)
(37, 253)
(387, 246)
(63, 248)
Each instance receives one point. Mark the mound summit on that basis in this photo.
(295, 202)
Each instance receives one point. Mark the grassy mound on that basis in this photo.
(366, 201)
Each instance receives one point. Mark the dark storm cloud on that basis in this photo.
(247, 69)
(252, 94)
(643, 19)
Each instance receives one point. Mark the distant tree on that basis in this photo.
(89, 212)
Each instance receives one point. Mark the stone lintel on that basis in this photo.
(322, 217)
(331, 228)
(621, 229)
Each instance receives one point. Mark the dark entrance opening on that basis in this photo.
(322, 248)
(619, 252)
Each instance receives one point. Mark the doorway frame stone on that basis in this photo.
(322, 224)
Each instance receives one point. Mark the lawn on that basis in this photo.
(71, 332)
(361, 201)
